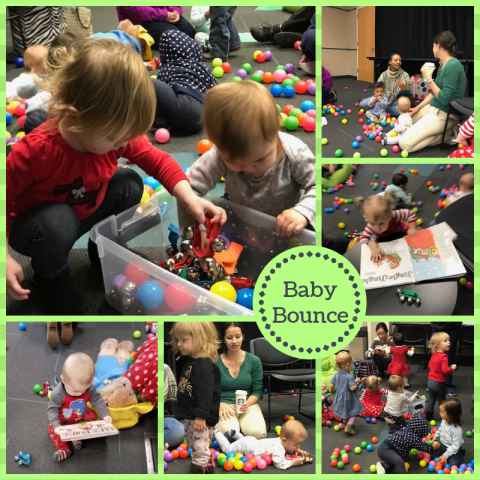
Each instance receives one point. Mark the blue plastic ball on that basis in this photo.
(214, 444)
(363, 390)
(150, 295)
(9, 118)
(441, 168)
(459, 470)
(431, 468)
(19, 62)
(448, 466)
(441, 472)
(369, 448)
(443, 194)
(245, 297)
(327, 111)
(384, 124)
(336, 207)
(189, 451)
(22, 326)
(382, 187)
(307, 105)
(276, 90)
(342, 112)
(368, 420)
(230, 455)
(288, 91)
(369, 121)
(355, 144)
(337, 109)
(265, 390)
(151, 182)
(371, 136)
(243, 459)
(374, 187)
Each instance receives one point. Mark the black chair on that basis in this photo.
(465, 340)
(463, 105)
(415, 335)
(271, 357)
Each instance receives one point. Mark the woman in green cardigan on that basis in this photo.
(240, 371)
(429, 117)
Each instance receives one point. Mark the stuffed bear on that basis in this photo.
(111, 348)
(119, 393)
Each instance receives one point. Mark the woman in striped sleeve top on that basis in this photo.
(384, 222)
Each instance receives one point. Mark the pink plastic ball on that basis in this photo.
(395, 148)
(346, 88)
(340, 426)
(349, 111)
(380, 129)
(247, 467)
(311, 113)
(346, 448)
(248, 455)
(365, 127)
(335, 114)
(162, 135)
(356, 104)
(268, 459)
(449, 167)
(340, 107)
(279, 76)
(257, 458)
(261, 464)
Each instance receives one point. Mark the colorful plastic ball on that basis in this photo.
(358, 138)
(301, 87)
(307, 105)
(340, 465)
(150, 295)
(288, 91)
(432, 423)
(21, 122)
(347, 210)
(395, 148)
(226, 67)
(261, 464)
(360, 120)
(276, 90)
(184, 454)
(371, 136)
(312, 88)
(242, 73)
(431, 468)
(363, 444)
(449, 167)
(247, 67)
(423, 463)
(347, 448)
(336, 428)
(257, 77)
(338, 153)
(404, 154)
(291, 123)
(374, 439)
(279, 76)
(341, 225)
(230, 455)
(368, 419)
(203, 146)
(324, 141)
(470, 287)
(344, 121)
(261, 57)
(228, 465)
(267, 77)
(236, 79)
(20, 110)
(268, 55)
(357, 450)
(245, 298)
(22, 326)
(334, 462)
(374, 188)
(217, 62)
(218, 72)
(356, 467)
(378, 139)
(441, 169)
(9, 118)
(373, 468)
(238, 465)
(162, 135)
(225, 290)
(268, 459)
(369, 448)
(247, 467)
(462, 167)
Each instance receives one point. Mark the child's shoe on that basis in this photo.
(210, 468)
(52, 334)
(350, 430)
(197, 469)
(380, 468)
(329, 424)
(384, 140)
(67, 333)
(61, 455)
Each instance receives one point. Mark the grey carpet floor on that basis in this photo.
(416, 185)
(464, 381)
(30, 360)
(340, 136)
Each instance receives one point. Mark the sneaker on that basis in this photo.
(287, 39)
(380, 468)
(210, 468)
(67, 336)
(52, 334)
(384, 142)
(207, 56)
(452, 393)
(306, 66)
(206, 47)
(350, 430)
(264, 32)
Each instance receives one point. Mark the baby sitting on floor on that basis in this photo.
(404, 122)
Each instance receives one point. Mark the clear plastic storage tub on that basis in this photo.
(139, 236)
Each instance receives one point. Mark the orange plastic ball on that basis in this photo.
(10, 110)
(175, 453)
(228, 465)
(149, 189)
(253, 462)
(374, 440)
(301, 118)
(267, 77)
(203, 146)
(429, 183)
(356, 467)
(415, 172)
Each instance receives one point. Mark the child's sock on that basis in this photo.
(233, 435)
(61, 455)
(405, 379)
(77, 444)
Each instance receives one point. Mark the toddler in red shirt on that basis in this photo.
(372, 396)
(439, 369)
(63, 178)
(399, 365)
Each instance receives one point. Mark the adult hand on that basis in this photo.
(413, 110)
(402, 85)
(14, 275)
(244, 407)
(290, 222)
(200, 424)
(207, 15)
(427, 73)
(225, 412)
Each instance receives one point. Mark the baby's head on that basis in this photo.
(466, 183)
(195, 339)
(34, 59)
(77, 374)
(102, 95)
(324, 387)
(292, 434)
(398, 339)
(451, 411)
(379, 89)
(344, 361)
(377, 210)
(243, 122)
(62, 43)
(396, 383)
(400, 180)
(372, 383)
(439, 342)
(403, 104)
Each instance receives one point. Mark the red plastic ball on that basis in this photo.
(356, 104)
(135, 274)
(301, 86)
(261, 57)
(402, 170)
(360, 120)
(20, 110)
(268, 459)
(184, 454)
(360, 113)
(461, 166)
(287, 109)
(309, 124)
(469, 285)
(333, 463)
(378, 139)
(247, 466)
(297, 45)
(226, 67)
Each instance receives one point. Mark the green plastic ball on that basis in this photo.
(384, 152)
(376, 184)
(357, 155)
(131, 360)
(413, 451)
(37, 388)
(236, 79)
(324, 141)
(468, 433)
(342, 452)
(291, 123)
(295, 79)
(257, 77)
(336, 428)
(338, 153)
(294, 112)
(279, 67)
(376, 175)
(217, 62)
(218, 72)
(357, 450)
(137, 334)
(221, 461)
(404, 154)
(373, 468)
(363, 444)
(279, 108)
(247, 67)
(287, 81)
(159, 189)
(340, 465)
(346, 234)
(438, 213)
(414, 209)
(430, 187)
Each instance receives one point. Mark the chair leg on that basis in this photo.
(269, 414)
(443, 144)
(300, 399)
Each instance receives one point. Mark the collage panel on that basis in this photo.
(81, 398)
(408, 230)
(399, 399)
(233, 403)
(410, 94)
(194, 161)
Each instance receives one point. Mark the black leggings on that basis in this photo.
(327, 96)
(382, 363)
(156, 29)
(391, 458)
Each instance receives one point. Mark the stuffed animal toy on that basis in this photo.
(121, 351)
(119, 393)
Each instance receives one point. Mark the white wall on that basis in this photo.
(339, 30)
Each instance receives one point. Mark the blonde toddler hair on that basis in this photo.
(377, 206)
(293, 429)
(395, 382)
(342, 360)
(371, 383)
(467, 182)
(436, 340)
(79, 368)
(205, 338)
(35, 58)
(234, 114)
(109, 86)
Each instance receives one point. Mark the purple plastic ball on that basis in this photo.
(8, 140)
(374, 420)
(358, 139)
(261, 72)
(347, 210)
(419, 203)
(216, 453)
(268, 55)
(242, 73)
(312, 88)
(365, 90)
(289, 67)
(463, 465)
(469, 469)
(165, 465)
(434, 190)
(168, 457)
(119, 281)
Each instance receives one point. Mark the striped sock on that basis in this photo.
(77, 444)
(61, 455)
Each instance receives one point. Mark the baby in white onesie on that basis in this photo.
(404, 122)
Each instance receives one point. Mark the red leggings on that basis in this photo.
(89, 416)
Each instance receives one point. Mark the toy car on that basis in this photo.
(410, 296)
(23, 459)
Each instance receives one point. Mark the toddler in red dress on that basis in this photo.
(398, 365)
(372, 396)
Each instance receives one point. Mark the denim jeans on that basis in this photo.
(456, 459)
(308, 41)
(47, 233)
(392, 109)
(224, 35)
(173, 432)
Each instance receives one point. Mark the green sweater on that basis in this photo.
(250, 379)
(451, 82)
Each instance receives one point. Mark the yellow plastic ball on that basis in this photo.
(221, 455)
(291, 417)
(14, 104)
(225, 290)
(362, 110)
(423, 463)
(9, 135)
(20, 134)
(237, 464)
(49, 394)
(388, 120)
(344, 121)
(153, 76)
(341, 225)
(463, 281)
(407, 465)
(324, 107)
(444, 203)
(238, 456)
(419, 221)
(255, 53)
(394, 133)
(145, 196)
(332, 110)
(432, 423)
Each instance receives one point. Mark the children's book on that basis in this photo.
(85, 430)
(428, 255)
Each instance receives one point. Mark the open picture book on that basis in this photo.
(428, 255)
(85, 430)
